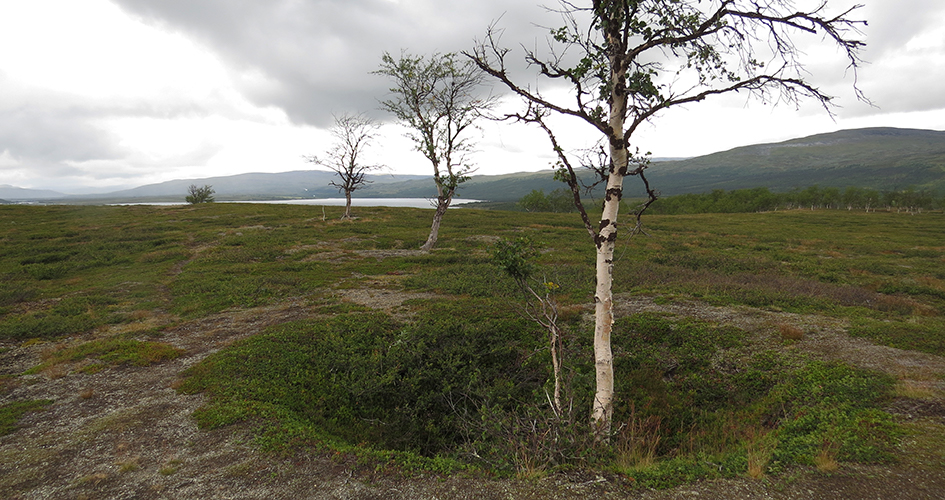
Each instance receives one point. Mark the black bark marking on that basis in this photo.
(617, 142)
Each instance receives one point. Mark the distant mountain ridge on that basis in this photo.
(294, 184)
(881, 158)
(10, 193)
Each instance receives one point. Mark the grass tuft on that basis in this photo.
(637, 440)
(914, 389)
(759, 447)
(790, 332)
(826, 457)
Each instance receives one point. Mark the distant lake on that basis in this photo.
(335, 202)
(365, 202)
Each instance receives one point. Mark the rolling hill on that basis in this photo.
(260, 186)
(10, 193)
(878, 158)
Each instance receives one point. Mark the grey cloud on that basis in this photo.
(47, 128)
(894, 22)
(56, 136)
(317, 55)
(894, 80)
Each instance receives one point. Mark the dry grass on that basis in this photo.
(529, 467)
(902, 305)
(574, 312)
(637, 440)
(914, 389)
(170, 468)
(759, 447)
(790, 332)
(826, 458)
(55, 372)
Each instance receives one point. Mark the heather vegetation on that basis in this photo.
(457, 376)
(813, 197)
(761, 199)
(559, 200)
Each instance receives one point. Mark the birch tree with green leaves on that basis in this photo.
(438, 98)
(625, 62)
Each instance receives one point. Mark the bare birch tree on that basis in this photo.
(626, 61)
(353, 134)
(437, 98)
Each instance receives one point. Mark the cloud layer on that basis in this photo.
(124, 92)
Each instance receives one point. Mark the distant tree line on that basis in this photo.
(761, 199)
(559, 200)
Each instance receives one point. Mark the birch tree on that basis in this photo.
(626, 61)
(437, 99)
(197, 194)
(353, 134)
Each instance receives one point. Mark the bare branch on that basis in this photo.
(353, 134)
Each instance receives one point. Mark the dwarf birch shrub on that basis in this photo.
(365, 378)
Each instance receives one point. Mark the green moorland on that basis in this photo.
(456, 377)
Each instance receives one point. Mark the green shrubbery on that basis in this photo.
(72, 314)
(366, 378)
(469, 381)
(197, 194)
(559, 200)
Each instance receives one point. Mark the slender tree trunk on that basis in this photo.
(606, 241)
(556, 364)
(604, 312)
(347, 214)
(443, 199)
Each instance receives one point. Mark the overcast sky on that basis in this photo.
(99, 94)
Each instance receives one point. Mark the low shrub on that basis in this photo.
(468, 381)
(366, 378)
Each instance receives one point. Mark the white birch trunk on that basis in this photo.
(604, 301)
(602, 412)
